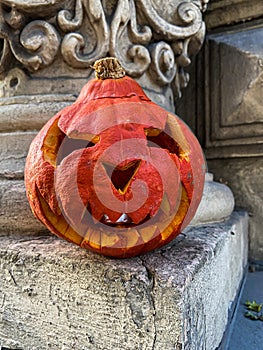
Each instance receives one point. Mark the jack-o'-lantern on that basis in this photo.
(114, 172)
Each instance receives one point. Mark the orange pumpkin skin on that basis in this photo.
(114, 172)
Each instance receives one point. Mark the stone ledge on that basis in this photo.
(228, 12)
(15, 214)
(54, 295)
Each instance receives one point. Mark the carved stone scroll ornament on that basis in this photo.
(145, 38)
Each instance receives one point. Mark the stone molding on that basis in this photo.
(228, 12)
(151, 42)
(233, 93)
(216, 205)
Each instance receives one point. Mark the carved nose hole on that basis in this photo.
(121, 176)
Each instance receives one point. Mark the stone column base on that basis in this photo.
(54, 295)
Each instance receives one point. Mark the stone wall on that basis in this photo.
(228, 111)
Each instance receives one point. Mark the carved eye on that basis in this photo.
(70, 145)
(57, 145)
(159, 138)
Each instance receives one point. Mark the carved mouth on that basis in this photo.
(124, 221)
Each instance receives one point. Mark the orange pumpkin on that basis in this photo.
(114, 172)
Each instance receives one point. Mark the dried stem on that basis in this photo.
(108, 68)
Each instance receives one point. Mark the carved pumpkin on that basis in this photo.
(114, 172)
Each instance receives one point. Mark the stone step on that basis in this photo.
(54, 295)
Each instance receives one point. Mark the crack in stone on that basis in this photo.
(151, 278)
(3, 302)
(13, 278)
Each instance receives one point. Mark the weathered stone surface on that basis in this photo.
(15, 144)
(27, 113)
(57, 296)
(227, 117)
(245, 178)
(225, 12)
(15, 212)
(233, 104)
(217, 203)
(237, 129)
(153, 43)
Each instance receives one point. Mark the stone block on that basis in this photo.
(54, 295)
(245, 178)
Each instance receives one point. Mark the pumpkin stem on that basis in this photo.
(108, 68)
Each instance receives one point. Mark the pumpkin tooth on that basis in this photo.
(178, 135)
(124, 219)
(106, 220)
(51, 143)
(71, 235)
(176, 222)
(152, 132)
(165, 205)
(86, 238)
(108, 239)
(94, 239)
(84, 136)
(59, 223)
(148, 233)
(133, 238)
